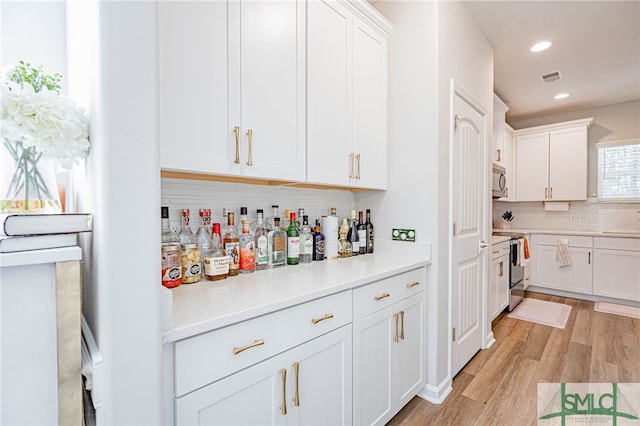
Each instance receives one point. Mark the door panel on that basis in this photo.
(469, 192)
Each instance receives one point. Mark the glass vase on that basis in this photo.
(27, 180)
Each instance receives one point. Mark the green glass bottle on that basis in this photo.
(293, 241)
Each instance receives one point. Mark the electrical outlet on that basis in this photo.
(403, 234)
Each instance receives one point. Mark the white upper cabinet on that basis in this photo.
(346, 94)
(551, 162)
(499, 116)
(509, 163)
(232, 88)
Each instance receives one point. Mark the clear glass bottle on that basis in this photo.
(300, 218)
(247, 249)
(369, 230)
(216, 260)
(186, 235)
(306, 241)
(203, 236)
(270, 219)
(318, 242)
(344, 246)
(166, 236)
(334, 211)
(244, 215)
(362, 233)
(191, 261)
(277, 245)
(284, 222)
(262, 243)
(231, 242)
(352, 236)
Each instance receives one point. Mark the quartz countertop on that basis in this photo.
(191, 309)
(605, 233)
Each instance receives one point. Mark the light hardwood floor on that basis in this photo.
(499, 385)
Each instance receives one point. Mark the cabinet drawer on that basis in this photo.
(380, 294)
(632, 244)
(574, 240)
(203, 359)
(499, 249)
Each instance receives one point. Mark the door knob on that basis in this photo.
(482, 245)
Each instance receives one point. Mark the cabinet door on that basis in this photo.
(369, 106)
(373, 347)
(410, 368)
(577, 277)
(272, 101)
(509, 163)
(616, 273)
(502, 287)
(193, 98)
(532, 166)
(329, 93)
(568, 164)
(251, 397)
(323, 380)
(492, 291)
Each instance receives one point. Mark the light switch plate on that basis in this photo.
(403, 234)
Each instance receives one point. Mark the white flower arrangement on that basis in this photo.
(34, 113)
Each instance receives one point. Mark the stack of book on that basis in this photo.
(22, 232)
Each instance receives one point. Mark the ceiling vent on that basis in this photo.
(552, 76)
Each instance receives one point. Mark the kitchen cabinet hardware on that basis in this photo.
(395, 336)
(456, 121)
(296, 394)
(546, 190)
(325, 317)
(589, 261)
(236, 131)
(413, 284)
(382, 296)
(259, 342)
(351, 154)
(551, 192)
(358, 160)
(250, 141)
(401, 325)
(283, 407)
(501, 273)
(499, 151)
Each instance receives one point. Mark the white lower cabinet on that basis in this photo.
(616, 268)
(388, 359)
(498, 295)
(310, 384)
(576, 277)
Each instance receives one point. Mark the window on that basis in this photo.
(619, 169)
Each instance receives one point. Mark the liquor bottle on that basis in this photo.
(262, 243)
(166, 236)
(186, 235)
(277, 245)
(203, 236)
(318, 242)
(334, 211)
(284, 223)
(306, 241)
(231, 242)
(244, 215)
(216, 260)
(344, 245)
(247, 249)
(293, 241)
(362, 233)
(270, 219)
(352, 236)
(300, 218)
(369, 230)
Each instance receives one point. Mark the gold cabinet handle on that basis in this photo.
(401, 325)
(351, 165)
(413, 284)
(250, 140)
(236, 130)
(358, 159)
(395, 336)
(236, 351)
(378, 298)
(551, 193)
(325, 317)
(283, 407)
(501, 273)
(546, 192)
(499, 154)
(296, 395)
(506, 192)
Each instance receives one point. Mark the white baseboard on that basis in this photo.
(436, 394)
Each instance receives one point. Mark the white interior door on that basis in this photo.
(469, 193)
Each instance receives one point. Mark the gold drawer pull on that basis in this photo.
(283, 407)
(317, 320)
(250, 140)
(413, 284)
(296, 394)
(236, 351)
(236, 131)
(395, 336)
(401, 325)
(378, 298)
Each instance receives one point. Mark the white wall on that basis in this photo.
(432, 42)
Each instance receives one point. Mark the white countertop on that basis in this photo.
(607, 233)
(192, 309)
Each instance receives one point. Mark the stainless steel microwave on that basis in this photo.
(498, 181)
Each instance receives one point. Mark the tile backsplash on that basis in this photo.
(582, 216)
(179, 194)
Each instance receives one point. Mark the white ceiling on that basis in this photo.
(596, 46)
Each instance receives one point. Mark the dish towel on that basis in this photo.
(563, 255)
(523, 252)
(525, 243)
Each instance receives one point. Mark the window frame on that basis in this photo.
(612, 144)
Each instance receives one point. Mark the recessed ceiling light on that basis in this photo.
(561, 95)
(539, 47)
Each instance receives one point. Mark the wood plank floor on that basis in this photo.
(499, 385)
